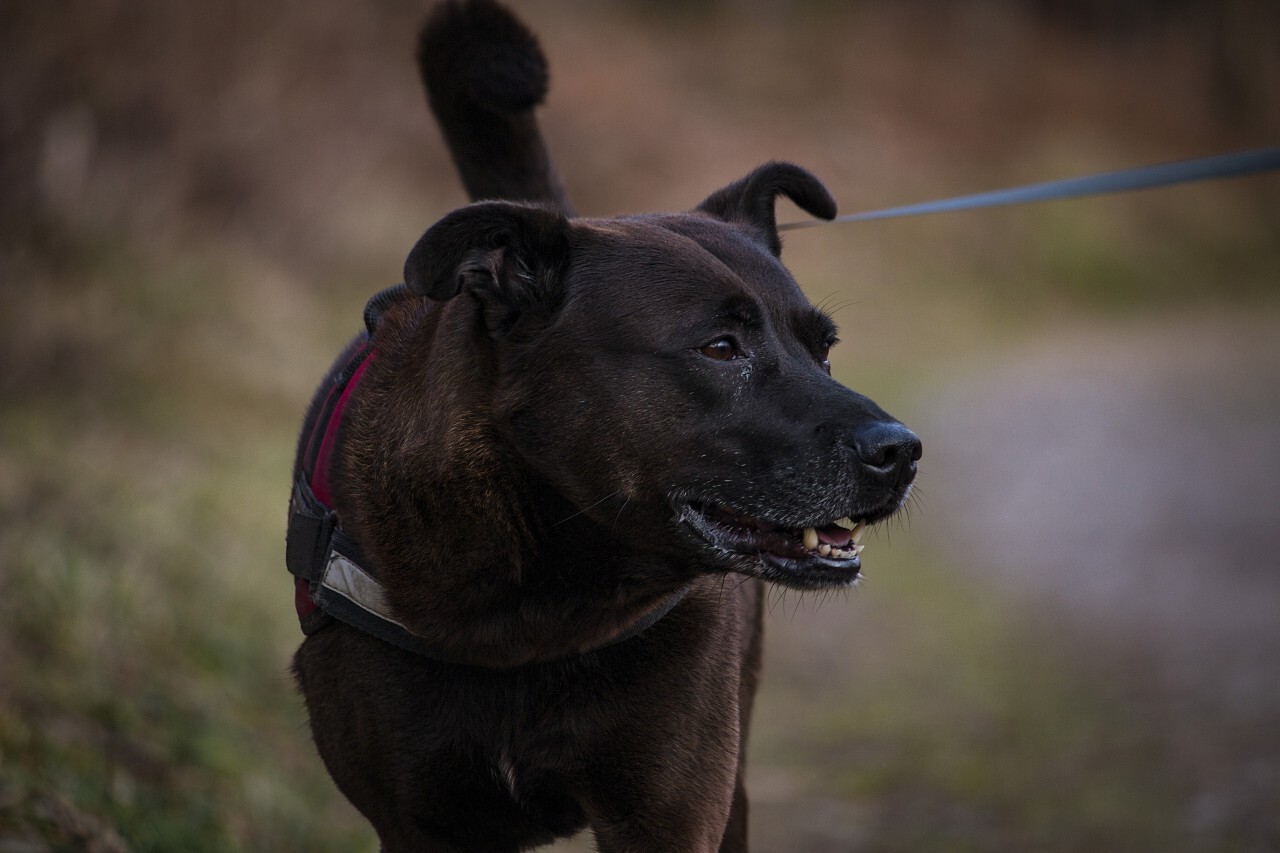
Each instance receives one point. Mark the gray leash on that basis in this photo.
(1146, 177)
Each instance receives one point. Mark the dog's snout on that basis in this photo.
(887, 447)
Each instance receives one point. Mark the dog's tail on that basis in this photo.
(484, 74)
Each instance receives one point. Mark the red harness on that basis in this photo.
(315, 477)
(331, 581)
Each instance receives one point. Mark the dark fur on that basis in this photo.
(484, 74)
(518, 464)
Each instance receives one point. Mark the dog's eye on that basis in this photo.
(721, 349)
(824, 358)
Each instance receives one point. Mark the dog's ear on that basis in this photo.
(511, 257)
(749, 201)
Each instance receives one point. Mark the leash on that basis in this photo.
(1234, 165)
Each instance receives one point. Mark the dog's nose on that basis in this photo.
(888, 447)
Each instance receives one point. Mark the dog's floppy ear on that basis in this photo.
(750, 200)
(509, 256)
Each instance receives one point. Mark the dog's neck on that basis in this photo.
(479, 556)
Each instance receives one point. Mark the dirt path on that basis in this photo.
(1125, 484)
(1133, 477)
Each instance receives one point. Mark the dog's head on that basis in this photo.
(665, 374)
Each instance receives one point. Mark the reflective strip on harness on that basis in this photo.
(353, 583)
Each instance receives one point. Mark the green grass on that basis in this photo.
(146, 611)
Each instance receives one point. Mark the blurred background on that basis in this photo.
(1073, 642)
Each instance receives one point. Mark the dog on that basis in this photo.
(537, 500)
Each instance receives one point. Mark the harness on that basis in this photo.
(330, 581)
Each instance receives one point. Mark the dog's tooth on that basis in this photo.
(846, 523)
(855, 532)
(824, 549)
(859, 549)
(810, 538)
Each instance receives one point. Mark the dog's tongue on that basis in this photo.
(834, 535)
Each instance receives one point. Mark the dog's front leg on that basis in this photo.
(735, 834)
(687, 819)
(670, 780)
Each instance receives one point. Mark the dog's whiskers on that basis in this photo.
(586, 509)
(828, 307)
(625, 501)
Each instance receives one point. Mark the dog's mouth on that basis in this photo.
(819, 556)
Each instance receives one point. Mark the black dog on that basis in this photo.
(520, 495)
